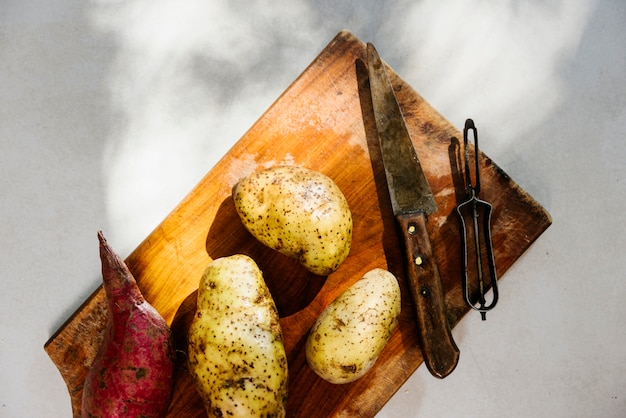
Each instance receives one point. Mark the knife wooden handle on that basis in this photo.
(440, 352)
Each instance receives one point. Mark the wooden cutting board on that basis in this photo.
(323, 121)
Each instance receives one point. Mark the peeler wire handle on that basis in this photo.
(471, 188)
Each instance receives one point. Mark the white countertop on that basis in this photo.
(110, 113)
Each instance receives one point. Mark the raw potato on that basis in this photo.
(133, 373)
(298, 212)
(352, 331)
(236, 355)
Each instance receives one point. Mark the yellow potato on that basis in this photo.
(298, 212)
(236, 355)
(352, 331)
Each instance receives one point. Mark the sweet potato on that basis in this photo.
(132, 373)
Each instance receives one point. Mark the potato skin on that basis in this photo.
(299, 212)
(132, 374)
(352, 331)
(236, 355)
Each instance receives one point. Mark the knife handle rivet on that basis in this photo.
(425, 292)
(419, 260)
(412, 229)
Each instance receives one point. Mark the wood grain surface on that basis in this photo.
(323, 121)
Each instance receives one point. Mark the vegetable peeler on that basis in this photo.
(476, 234)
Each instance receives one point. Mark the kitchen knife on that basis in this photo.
(412, 200)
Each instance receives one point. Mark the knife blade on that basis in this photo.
(412, 201)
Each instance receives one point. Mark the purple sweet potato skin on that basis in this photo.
(133, 372)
